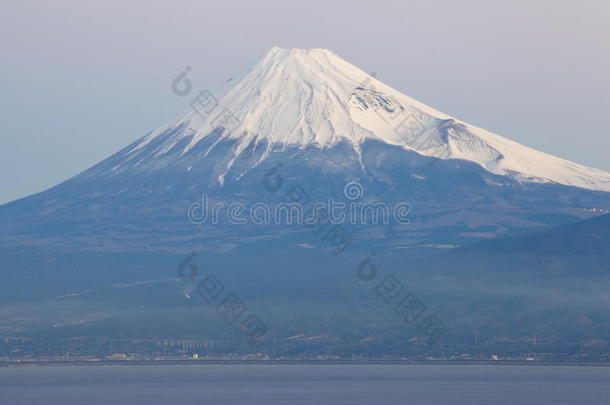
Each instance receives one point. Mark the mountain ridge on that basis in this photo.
(111, 240)
(312, 97)
(138, 198)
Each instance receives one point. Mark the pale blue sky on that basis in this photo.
(81, 79)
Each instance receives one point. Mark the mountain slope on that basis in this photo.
(326, 123)
(299, 98)
(580, 249)
(97, 254)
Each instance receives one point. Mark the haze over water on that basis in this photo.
(306, 384)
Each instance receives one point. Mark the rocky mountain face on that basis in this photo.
(285, 180)
(328, 124)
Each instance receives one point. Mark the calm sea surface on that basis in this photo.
(306, 384)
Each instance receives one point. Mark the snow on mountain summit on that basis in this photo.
(313, 97)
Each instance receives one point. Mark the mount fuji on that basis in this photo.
(296, 98)
(100, 250)
(327, 122)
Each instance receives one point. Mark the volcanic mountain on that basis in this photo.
(102, 255)
(326, 123)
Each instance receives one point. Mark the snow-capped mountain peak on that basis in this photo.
(313, 97)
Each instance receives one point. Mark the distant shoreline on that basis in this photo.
(294, 362)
